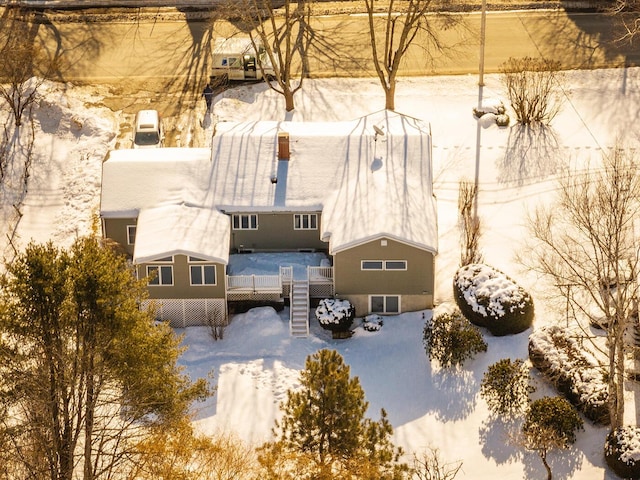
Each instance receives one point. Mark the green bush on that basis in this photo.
(450, 339)
(621, 451)
(490, 299)
(505, 386)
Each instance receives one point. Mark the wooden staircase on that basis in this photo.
(299, 308)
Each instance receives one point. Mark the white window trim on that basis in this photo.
(384, 296)
(129, 227)
(239, 217)
(383, 266)
(159, 267)
(301, 217)
(202, 267)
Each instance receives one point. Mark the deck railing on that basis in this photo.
(248, 284)
(255, 283)
(320, 274)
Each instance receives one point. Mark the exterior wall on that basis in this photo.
(181, 287)
(408, 303)
(415, 284)
(116, 230)
(275, 232)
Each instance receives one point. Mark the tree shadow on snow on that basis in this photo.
(564, 464)
(457, 389)
(533, 153)
(496, 437)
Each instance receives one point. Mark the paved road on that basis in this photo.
(169, 54)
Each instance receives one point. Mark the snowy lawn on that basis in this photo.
(257, 361)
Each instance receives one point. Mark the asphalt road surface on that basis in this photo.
(163, 60)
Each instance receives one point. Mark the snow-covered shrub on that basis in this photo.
(335, 315)
(502, 120)
(622, 451)
(372, 323)
(490, 299)
(450, 339)
(574, 373)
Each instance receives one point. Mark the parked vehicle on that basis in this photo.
(236, 59)
(148, 131)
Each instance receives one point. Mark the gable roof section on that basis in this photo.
(386, 188)
(181, 229)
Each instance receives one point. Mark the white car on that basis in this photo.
(147, 130)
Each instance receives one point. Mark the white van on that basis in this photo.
(147, 130)
(235, 59)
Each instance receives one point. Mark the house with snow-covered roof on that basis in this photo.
(354, 196)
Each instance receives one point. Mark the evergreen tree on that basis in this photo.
(82, 369)
(550, 423)
(324, 434)
(505, 387)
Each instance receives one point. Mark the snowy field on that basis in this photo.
(257, 361)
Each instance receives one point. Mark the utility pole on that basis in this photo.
(483, 27)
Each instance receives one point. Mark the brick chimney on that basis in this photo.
(283, 146)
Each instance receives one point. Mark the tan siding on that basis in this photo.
(181, 283)
(418, 279)
(275, 232)
(116, 230)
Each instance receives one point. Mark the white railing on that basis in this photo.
(320, 274)
(254, 283)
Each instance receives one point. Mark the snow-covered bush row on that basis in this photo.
(561, 359)
(622, 451)
(335, 315)
(490, 299)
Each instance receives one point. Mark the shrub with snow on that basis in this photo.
(372, 323)
(574, 373)
(335, 315)
(622, 451)
(490, 299)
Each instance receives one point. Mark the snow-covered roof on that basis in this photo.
(368, 176)
(181, 229)
(145, 178)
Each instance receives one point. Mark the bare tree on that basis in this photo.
(532, 84)
(393, 32)
(284, 33)
(25, 66)
(430, 466)
(469, 223)
(627, 15)
(586, 245)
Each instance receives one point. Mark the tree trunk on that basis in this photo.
(390, 96)
(288, 100)
(543, 456)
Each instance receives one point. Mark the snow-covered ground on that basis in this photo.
(257, 361)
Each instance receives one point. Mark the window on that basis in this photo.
(131, 234)
(305, 221)
(384, 265)
(203, 274)
(384, 303)
(245, 222)
(160, 274)
(372, 265)
(395, 265)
